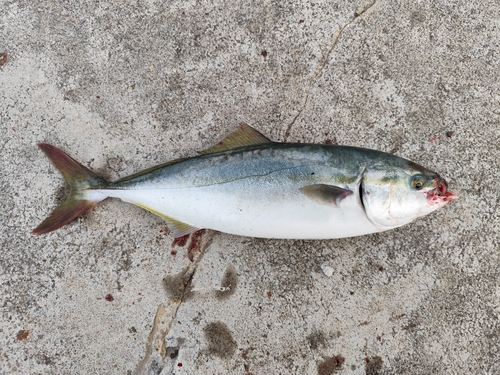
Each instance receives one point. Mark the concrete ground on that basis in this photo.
(122, 86)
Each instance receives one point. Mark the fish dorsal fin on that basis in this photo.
(244, 135)
(323, 193)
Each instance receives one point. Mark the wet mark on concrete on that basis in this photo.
(220, 340)
(228, 284)
(316, 339)
(3, 58)
(44, 359)
(373, 365)
(174, 285)
(178, 286)
(22, 335)
(331, 365)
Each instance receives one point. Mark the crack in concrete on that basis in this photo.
(166, 315)
(336, 37)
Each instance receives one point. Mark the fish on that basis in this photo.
(248, 185)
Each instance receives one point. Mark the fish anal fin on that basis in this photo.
(327, 194)
(178, 228)
(244, 135)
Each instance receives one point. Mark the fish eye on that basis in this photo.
(418, 181)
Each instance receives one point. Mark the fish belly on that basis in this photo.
(254, 207)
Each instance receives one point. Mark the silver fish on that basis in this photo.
(248, 185)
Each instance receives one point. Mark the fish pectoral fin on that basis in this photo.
(178, 228)
(244, 135)
(323, 193)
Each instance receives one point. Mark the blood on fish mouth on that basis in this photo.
(440, 194)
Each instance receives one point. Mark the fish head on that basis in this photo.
(394, 195)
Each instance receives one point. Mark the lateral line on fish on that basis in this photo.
(111, 187)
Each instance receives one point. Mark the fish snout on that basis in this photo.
(440, 193)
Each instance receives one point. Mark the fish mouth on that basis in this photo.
(440, 194)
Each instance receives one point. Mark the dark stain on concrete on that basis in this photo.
(331, 365)
(174, 285)
(220, 340)
(172, 352)
(44, 359)
(316, 339)
(22, 335)
(373, 365)
(3, 58)
(228, 284)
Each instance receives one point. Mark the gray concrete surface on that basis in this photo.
(122, 86)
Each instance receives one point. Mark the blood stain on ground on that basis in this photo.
(195, 244)
(22, 335)
(180, 241)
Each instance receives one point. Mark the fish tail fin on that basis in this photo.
(79, 179)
